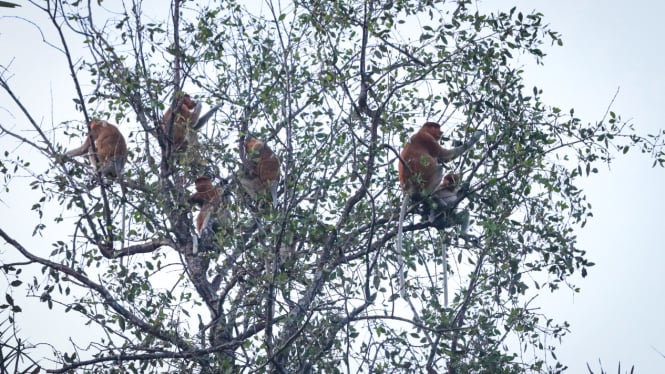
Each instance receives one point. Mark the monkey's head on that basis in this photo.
(205, 191)
(188, 101)
(252, 143)
(96, 125)
(433, 129)
(203, 183)
(451, 181)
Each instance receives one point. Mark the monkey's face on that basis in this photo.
(451, 182)
(96, 126)
(189, 103)
(433, 129)
(252, 145)
(203, 184)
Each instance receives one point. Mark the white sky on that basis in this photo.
(618, 316)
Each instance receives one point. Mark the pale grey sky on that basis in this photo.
(618, 316)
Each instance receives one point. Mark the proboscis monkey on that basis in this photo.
(448, 190)
(213, 212)
(110, 152)
(260, 171)
(185, 123)
(449, 193)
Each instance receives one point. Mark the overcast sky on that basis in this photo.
(619, 313)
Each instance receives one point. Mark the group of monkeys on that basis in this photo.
(107, 150)
(421, 178)
(421, 172)
(420, 168)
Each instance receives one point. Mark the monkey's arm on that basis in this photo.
(448, 154)
(80, 150)
(197, 198)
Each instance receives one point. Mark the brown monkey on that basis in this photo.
(213, 214)
(424, 158)
(449, 194)
(260, 171)
(448, 190)
(185, 123)
(420, 171)
(209, 198)
(111, 149)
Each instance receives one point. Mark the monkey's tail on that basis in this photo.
(123, 199)
(444, 260)
(195, 244)
(273, 194)
(400, 253)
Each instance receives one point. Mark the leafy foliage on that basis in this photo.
(335, 88)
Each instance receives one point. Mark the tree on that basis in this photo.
(7, 4)
(309, 283)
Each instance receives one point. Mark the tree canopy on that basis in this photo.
(307, 282)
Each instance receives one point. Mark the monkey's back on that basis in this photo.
(423, 173)
(110, 144)
(268, 168)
